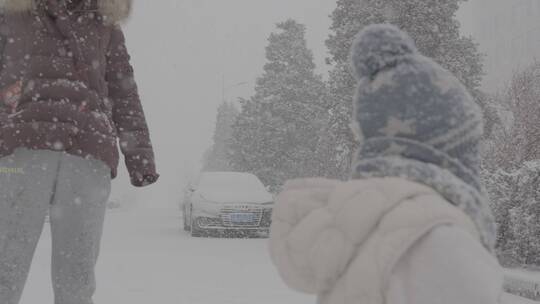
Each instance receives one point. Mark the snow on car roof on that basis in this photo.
(232, 187)
(229, 179)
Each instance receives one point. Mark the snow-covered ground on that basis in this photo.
(524, 274)
(145, 259)
(522, 282)
(512, 299)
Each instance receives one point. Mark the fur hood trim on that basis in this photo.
(114, 11)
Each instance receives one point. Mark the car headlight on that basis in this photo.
(208, 221)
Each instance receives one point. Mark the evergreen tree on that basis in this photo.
(515, 199)
(512, 170)
(276, 134)
(433, 26)
(217, 157)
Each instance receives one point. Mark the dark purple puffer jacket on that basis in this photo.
(66, 84)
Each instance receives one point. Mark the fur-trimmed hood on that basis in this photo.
(113, 10)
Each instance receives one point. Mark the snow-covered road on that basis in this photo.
(145, 258)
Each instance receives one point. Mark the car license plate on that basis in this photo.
(242, 217)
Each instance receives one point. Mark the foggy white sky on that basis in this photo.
(506, 31)
(181, 49)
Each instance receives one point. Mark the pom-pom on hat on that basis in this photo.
(379, 47)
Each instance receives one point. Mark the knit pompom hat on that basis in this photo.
(406, 95)
(415, 120)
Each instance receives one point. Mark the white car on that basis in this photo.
(227, 202)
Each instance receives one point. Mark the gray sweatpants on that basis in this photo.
(74, 190)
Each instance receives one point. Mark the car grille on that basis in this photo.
(227, 212)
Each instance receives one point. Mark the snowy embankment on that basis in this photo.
(523, 283)
(513, 299)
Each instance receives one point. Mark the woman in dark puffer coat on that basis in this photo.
(67, 97)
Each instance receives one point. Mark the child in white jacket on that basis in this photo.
(413, 226)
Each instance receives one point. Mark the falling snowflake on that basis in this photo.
(58, 145)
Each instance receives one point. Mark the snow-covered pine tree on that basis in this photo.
(522, 101)
(275, 135)
(431, 23)
(515, 200)
(512, 170)
(217, 157)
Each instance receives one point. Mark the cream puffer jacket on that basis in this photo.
(380, 240)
